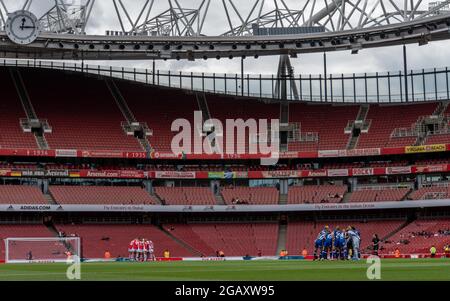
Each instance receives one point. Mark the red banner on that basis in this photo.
(27, 152)
(362, 171)
(314, 173)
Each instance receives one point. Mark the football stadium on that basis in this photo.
(224, 141)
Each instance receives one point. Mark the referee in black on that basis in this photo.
(375, 244)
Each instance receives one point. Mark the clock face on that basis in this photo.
(22, 27)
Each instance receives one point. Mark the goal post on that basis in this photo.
(41, 249)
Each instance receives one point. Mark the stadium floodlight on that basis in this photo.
(41, 249)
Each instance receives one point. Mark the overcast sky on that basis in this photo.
(382, 59)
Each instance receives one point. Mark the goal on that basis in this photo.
(41, 249)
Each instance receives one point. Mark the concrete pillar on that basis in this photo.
(284, 186)
(148, 184)
(353, 183)
(215, 186)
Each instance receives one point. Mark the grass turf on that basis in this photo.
(391, 269)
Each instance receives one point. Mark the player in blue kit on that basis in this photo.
(338, 243)
(327, 249)
(319, 243)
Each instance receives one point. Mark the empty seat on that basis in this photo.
(328, 122)
(80, 110)
(251, 195)
(419, 236)
(316, 194)
(28, 230)
(186, 195)
(378, 195)
(21, 194)
(385, 119)
(119, 195)
(11, 133)
(234, 239)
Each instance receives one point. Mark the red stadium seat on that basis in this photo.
(21, 194)
(80, 110)
(186, 195)
(16, 230)
(379, 195)
(419, 236)
(118, 195)
(384, 119)
(316, 194)
(234, 239)
(251, 195)
(11, 133)
(328, 122)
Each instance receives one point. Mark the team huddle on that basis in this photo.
(337, 244)
(141, 249)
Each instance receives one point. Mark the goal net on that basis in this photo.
(41, 249)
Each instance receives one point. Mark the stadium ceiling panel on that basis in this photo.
(202, 29)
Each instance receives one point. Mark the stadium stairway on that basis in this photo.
(27, 106)
(206, 115)
(52, 229)
(219, 199)
(421, 139)
(405, 197)
(22, 92)
(441, 108)
(120, 101)
(353, 141)
(41, 141)
(361, 117)
(283, 199)
(180, 242)
(157, 198)
(126, 111)
(203, 105)
(282, 234)
(346, 197)
(50, 198)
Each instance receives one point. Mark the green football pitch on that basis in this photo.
(391, 269)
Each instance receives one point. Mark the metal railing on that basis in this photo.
(379, 87)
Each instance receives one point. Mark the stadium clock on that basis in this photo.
(22, 27)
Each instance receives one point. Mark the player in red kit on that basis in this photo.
(146, 249)
(136, 248)
(140, 250)
(132, 249)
